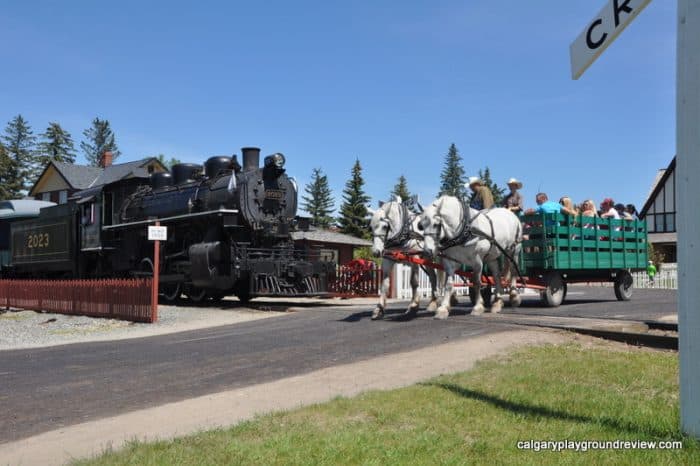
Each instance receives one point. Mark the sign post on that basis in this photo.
(597, 35)
(156, 234)
(688, 221)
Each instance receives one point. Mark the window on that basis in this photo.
(63, 197)
(650, 223)
(45, 196)
(88, 214)
(670, 222)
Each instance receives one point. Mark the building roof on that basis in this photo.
(21, 208)
(78, 176)
(659, 181)
(81, 177)
(120, 171)
(325, 236)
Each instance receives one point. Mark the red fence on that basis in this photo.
(126, 299)
(357, 280)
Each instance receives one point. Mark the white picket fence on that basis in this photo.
(666, 278)
(402, 283)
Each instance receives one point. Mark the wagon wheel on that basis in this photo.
(486, 295)
(554, 294)
(195, 294)
(623, 285)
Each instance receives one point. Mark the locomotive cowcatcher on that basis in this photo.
(228, 232)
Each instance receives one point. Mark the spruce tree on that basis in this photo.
(9, 177)
(354, 215)
(452, 176)
(498, 193)
(57, 144)
(20, 144)
(319, 200)
(98, 139)
(401, 190)
(167, 163)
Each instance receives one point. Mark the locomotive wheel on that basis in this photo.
(623, 285)
(486, 295)
(216, 296)
(170, 292)
(556, 290)
(196, 295)
(242, 290)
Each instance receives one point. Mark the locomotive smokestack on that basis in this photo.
(251, 158)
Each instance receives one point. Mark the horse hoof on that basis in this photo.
(497, 306)
(477, 310)
(442, 313)
(515, 300)
(432, 307)
(377, 314)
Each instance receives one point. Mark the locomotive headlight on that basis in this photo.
(275, 160)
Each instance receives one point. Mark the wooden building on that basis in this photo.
(659, 211)
(331, 245)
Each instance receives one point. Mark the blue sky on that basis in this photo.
(391, 83)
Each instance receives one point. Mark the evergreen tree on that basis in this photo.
(9, 177)
(168, 163)
(498, 193)
(401, 190)
(354, 216)
(98, 139)
(19, 141)
(319, 202)
(57, 144)
(452, 176)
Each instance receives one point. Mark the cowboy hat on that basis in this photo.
(518, 184)
(473, 180)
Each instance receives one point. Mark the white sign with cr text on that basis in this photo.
(601, 31)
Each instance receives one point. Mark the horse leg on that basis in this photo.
(477, 270)
(433, 277)
(415, 299)
(515, 299)
(497, 305)
(378, 312)
(444, 310)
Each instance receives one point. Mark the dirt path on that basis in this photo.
(230, 407)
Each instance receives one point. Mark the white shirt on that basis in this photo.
(612, 213)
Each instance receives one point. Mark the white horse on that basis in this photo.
(458, 234)
(394, 226)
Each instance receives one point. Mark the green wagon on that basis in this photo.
(560, 249)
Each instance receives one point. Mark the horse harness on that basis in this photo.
(405, 234)
(466, 232)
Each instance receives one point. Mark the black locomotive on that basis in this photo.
(228, 232)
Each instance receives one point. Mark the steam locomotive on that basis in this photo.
(229, 232)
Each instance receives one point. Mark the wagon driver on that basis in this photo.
(514, 200)
(482, 198)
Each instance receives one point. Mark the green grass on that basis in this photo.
(477, 417)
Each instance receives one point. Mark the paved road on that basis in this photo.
(47, 388)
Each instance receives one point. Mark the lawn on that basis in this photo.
(551, 393)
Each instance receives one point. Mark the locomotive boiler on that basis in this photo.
(229, 232)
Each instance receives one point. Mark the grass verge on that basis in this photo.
(550, 393)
